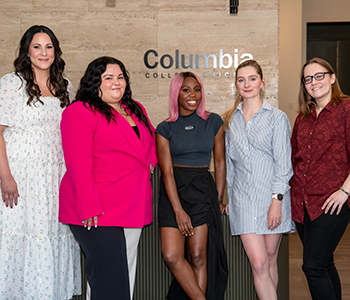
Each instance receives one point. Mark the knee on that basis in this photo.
(314, 270)
(260, 268)
(171, 258)
(198, 258)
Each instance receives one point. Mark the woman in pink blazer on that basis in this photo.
(106, 193)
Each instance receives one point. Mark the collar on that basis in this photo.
(330, 107)
(265, 105)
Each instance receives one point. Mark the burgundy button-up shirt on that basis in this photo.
(320, 158)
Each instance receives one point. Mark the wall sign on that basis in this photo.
(224, 61)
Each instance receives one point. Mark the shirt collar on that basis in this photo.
(330, 107)
(265, 105)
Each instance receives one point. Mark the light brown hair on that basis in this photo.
(227, 115)
(306, 102)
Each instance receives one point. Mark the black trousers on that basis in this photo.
(320, 238)
(106, 261)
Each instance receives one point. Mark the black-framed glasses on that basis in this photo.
(318, 76)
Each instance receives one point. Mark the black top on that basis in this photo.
(191, 139)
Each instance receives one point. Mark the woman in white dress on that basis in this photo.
(39, 258)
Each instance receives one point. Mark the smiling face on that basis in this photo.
(41, 52)
(113, 85)
(190, 96)
(321, 90)
(249, 83)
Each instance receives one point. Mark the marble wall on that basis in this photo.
(127, 29)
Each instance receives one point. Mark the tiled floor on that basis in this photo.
(297, 282)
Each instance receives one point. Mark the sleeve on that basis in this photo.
(70, 91)
(230, 168)
(77, 129)
(10, 92)
(216, 122)
(282, 153)
(294, 140)
(163, 129)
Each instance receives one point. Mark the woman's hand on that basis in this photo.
(9, 191)
(334, 201)
(184, 223)
(88, 222)
(151, 168)
(226, 209)
(274, 215)
(223, 208)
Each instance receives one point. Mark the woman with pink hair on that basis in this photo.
(190, 202)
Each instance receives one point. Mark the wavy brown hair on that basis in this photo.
(227, 115)
(306, 102)
(23, 68)
(89, 91)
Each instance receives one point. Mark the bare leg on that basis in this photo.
(173, 251)
(197, 255)
(273, 242)
(260, 251)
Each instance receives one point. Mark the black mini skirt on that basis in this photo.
(197, 193)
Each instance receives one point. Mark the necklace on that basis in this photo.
(121, 110)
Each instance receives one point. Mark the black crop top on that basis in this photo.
(191, 139)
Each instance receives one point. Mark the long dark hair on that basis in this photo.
(23, 68)
(89, 90)
(306, 102)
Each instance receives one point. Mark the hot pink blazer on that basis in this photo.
(108, 172)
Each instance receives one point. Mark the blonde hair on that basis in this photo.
(227, 115)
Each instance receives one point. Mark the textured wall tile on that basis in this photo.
(88, 29)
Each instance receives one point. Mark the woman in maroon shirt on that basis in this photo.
(321, 183)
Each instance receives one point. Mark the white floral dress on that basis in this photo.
(39, 258)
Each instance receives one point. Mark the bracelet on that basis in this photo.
(345, 191)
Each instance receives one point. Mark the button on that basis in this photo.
(304, 174)
(307, 161)
(308, 146)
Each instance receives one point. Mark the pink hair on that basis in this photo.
(174, 91)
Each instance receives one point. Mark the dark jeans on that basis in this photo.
(106, 261)
(320, 238)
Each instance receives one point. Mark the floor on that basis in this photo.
(298, 289)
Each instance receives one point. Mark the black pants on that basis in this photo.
(106, 261)
(320, 238)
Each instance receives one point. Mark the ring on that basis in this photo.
(6, 196)
(278, 223)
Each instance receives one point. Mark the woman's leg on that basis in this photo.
(197, 255)
(273, 242)
(173, 251)
(132, 237)
(106, 261)
(320, 238)
(260, 251)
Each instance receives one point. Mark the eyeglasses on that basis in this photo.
(318, 76)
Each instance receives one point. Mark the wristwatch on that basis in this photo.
(278, 197)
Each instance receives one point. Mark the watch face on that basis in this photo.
(280, 197)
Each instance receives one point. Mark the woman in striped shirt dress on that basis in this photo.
(258, 159)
